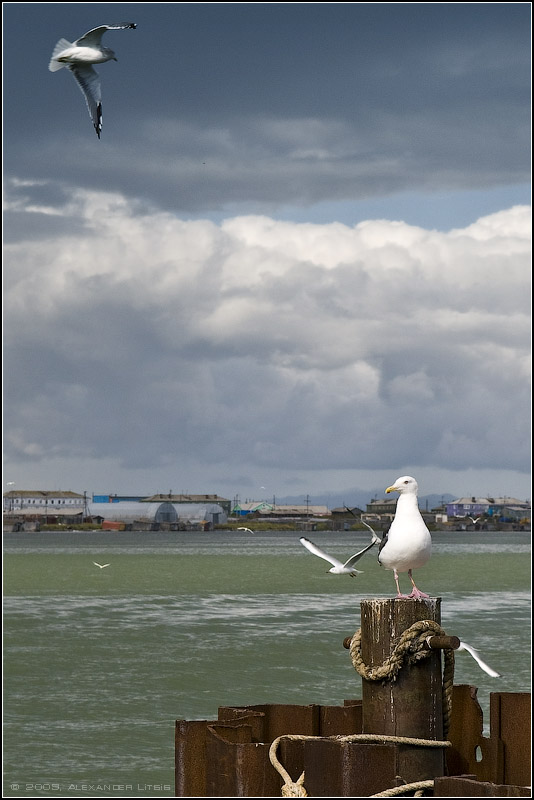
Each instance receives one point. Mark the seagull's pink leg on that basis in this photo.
(399, 593)
(415, 593)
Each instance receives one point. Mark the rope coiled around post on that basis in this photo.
(411, 647)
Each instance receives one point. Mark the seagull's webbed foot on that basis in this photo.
(415, 594)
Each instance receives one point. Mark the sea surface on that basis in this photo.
(99, 663)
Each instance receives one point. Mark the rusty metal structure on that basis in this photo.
(412, 731)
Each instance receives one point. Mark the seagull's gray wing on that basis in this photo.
(353, 559)
(318, 552)
(376, 539)
(89, 82)
(93, 37)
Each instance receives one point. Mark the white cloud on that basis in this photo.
(260, 345)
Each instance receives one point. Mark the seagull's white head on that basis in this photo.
(404, 485)
(109, 53)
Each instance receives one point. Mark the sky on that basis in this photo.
(296, 262)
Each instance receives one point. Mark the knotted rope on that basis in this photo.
(289, 789)
(411, 647)
(296, 789)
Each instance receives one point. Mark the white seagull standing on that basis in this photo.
(100, 565)
(407, 545)
(79, 56)
(338, 567)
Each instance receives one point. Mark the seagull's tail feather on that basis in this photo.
(60, 46)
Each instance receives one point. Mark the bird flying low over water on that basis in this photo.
(481, 664)
(79, 56)
(100, 565)
(245, 529)
(338, 567)
(407, 545)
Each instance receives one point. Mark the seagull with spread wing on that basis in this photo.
(338, 568)
(79, 56)
(100, 565)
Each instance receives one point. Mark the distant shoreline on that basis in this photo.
(259, 527)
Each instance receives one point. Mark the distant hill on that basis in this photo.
(358, 498)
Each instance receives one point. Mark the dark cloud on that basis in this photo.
(261, 105)
(140, 341)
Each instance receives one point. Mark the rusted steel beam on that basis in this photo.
(341, 720)
(279, 718)
(348, 769)
(229, 756)
(505, 756)
(510, 722)
(190, 758)
(472, 753)
(236, 766)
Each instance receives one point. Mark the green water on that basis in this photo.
(98, 664)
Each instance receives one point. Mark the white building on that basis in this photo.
(43, 500)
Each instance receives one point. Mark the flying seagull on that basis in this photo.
(481, 664)
(474, 521)
(245, 529)
(407, 544)
(79, 56)
(338, 568)
(100, 565)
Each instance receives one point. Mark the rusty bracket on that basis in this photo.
(442, 642)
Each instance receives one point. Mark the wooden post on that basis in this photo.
(411, 705)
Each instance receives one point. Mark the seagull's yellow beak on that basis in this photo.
(391, 489)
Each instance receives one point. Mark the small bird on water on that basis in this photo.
(407, 545)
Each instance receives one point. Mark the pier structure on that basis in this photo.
(413, 731)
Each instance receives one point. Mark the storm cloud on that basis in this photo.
(257, 343)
